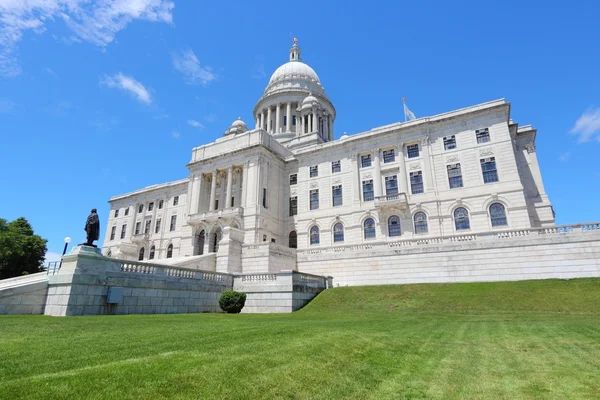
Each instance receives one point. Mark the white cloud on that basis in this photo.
(195, 124)
(175, 134)
(128, 84)
(6, 106)
(565, 157)
(188, 65)
(587, 126)
(96, 22)
(51, 256)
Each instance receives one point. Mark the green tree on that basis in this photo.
(21, 251)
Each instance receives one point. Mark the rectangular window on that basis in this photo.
(314, 199)
(123, 230)
(336, 192)
(285, 120)
(391, 185)
(157, 226)
(389, 156)
(488, 168)
(293, 206)
(216, 204)
(336, 166)
(116, 213)
(264, 198)
(147, 227)
(416, 182)
(138, 227)
(127, 211)
(151, 206)
(455, 176)
(368, 194)
(113, 231)
(173, 223)
(140, 208)
(160, 204)
(314, 171)
(175, 200)
(365, 160)
(293, 179)
(232, 201)
(450, 142)
(413, 150)
(293, 120)
(483, 135)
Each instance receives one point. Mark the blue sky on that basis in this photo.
(101, 98)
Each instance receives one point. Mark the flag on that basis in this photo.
(408, 115)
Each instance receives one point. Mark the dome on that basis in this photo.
(238, 126)
(344, 136)
(310, 101)
(295, 74)
(238, 122)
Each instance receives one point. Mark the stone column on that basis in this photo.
(257, 121)
(288, 116)
(229, 182)
(315, 121)
(325, 128)
(222, 201)
(262, 119)
(269, 120)
(428, 185)
(403, 183)
(193, 200)
(278, 119)
(356, 184)
(244, 183)
(376, 173)
(301, 124)
(213, 191)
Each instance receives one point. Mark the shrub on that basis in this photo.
(232, 302)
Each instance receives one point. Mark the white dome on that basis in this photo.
(295, 74)
(238, 126)
(238, 122)
(310, 101)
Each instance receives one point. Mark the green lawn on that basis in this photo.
(523, 340)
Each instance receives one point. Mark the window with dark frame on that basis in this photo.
(498, 215)
(412, 150)
(394, 228)
(151, 206)
(338, 232)
(454, 176)
(421, 223)
(175, 200)
(368, 193)
(450, 142)
(116, 213)
(369, 228)
(160, 204)
(482, 135)
(488, 169)
(140, 208)
(113, 232)
(391, 185)
(336, 167)
(416, 182)
(123, 230)
(314, 199)
(365, 160)
(315, 237)
(293, 179)
(314, 171)
(389, 156)
(138, 227)
(461, 219)
(264, 198)
(147, 226)
(173, 223)
(157, 226)
(293, 206)
(127, 211)
(336, 192)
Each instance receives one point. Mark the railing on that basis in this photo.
(259, 277)
(140, 237)
(53, 267)
(165, 270)
(223, 212)
(391, 199)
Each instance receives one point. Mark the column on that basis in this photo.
(257, 122)
(229, 182)
(278, 118)
(244, 183)
(269, 120)
(376, 173)
(222, 202)
(288, 116)
(356, 184)
(213, 191)
(262, 119)
(426, 164)
(301, 124)
(193, 195)
(325, 128)
(403, 183)
(201, 189)
(315, 121)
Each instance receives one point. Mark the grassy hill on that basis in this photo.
(509, 340)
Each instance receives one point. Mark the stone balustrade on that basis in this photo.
(259, 277)
(165, 270)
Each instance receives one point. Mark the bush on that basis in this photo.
(232, 302)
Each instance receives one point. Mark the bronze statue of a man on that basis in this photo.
(92, 228)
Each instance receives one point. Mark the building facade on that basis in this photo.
(263, 199)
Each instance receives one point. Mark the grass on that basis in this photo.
(510, 340)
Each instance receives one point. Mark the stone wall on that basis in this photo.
(24, 294)
(267, 257)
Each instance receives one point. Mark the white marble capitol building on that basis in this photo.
(419, 201)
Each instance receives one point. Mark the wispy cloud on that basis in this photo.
(195, 124)
(258, 70)
(96, 22)
(193, 73)
(161, 116)
(565, 157)
(6, 106)
(587, 126)
(175, 134)
(128, 84)
(51, 257)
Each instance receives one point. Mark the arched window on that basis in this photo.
(394, 226)
(293, 240)
(141, 254)
(369, 228)
(199, 245)
(461, 219)
(338, 232)
(498, 215)
(314, 235)
(421, 222)
(151, 255)
(170, 251)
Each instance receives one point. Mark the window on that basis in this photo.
(113, 231)
(147, 227)
(151, 206)
(293, 179)
(336, 167)
(264, 198)
(368, 194)
(123, 230)
(216, 204)
(488, 168)
(389, 156)
(450, 142)
(160, 204)
(461, 219)
(264, 239)
(140, 208)
(285, 120)
(314, 235)
(175, 200)
(412, 150)
(138, 227)
(455, 176)
(273, 240)
(141, 254)
(116, 213)
(336, 192)
(157, 226)
(416, 182)
(314, 171)
(173, 223)
(421, 222)
(394, 226)
(170, 251)
(152, 251)
(369, 228)
(365, 160)
(391, 185)
(127, 211)
(498, 215)
(338, 232)
(232, 201)
(293, 120)
(293, 240)
(483, 135)
(314, 199)
(293, 206)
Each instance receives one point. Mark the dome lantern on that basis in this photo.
(295, 51)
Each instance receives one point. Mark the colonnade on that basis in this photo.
(275, 121)
(217, 199)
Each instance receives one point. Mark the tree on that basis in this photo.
(21, 251)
